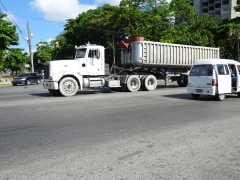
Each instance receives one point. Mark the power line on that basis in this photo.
(39, 19)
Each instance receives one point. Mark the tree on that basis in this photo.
(233, 38)
(8, 36)
(182, 10)
(15, 59)
(237, 8)
(44, 53)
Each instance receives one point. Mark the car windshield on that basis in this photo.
(24, 75)
(80, 53)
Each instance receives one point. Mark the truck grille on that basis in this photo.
(46, 70)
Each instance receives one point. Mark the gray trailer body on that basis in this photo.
(149, 54)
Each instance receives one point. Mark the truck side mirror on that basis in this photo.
(98, 54)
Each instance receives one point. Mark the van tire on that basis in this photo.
(195, 96)
(238, 93)
(220, 97)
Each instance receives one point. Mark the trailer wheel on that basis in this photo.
(68, 86)
(150, 83)
(220, 97)
(196, 96)
(133, 83)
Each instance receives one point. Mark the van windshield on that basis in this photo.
(202, 70)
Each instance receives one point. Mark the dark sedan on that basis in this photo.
(27, 79)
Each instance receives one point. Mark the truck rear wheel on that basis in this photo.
(142, 82)
(133, 83)
(68, 86)
(149, 83)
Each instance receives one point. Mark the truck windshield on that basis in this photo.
(202, 70)
(80, 53)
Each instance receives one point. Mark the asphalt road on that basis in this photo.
(99, 134)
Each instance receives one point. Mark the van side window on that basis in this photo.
(238, 69)
(202, 70)
(222, 69)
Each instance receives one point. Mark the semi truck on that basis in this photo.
(143, 64)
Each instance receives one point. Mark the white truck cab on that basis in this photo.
(214, 77)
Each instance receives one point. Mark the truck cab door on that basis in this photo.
(224, 80)
(93, 64)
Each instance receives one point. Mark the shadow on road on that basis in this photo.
(201, 98)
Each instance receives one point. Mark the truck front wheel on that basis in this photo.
(68, 86)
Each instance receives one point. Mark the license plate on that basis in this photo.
(199, 90)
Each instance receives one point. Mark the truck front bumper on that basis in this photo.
(50, 85)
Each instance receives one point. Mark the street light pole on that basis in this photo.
(30, 46)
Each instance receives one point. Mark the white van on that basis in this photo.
(214, 77)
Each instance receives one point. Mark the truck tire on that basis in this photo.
(54, 92)
(68, 86)
(220, 97)
(133, 83)
(149, 83)
(142, 83)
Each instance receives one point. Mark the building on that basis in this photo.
(218, 8)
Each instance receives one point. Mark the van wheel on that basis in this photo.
(238, 93)
(220, 97)
(196, 96)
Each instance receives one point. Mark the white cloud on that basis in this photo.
(112, 2)
(60, 10)
(10, 17)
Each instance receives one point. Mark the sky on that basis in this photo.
(46, 18)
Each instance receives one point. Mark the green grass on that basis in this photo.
(5, 85)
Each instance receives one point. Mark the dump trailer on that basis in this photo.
(143, 63)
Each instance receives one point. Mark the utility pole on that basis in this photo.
(30, 46)
(114, 70)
